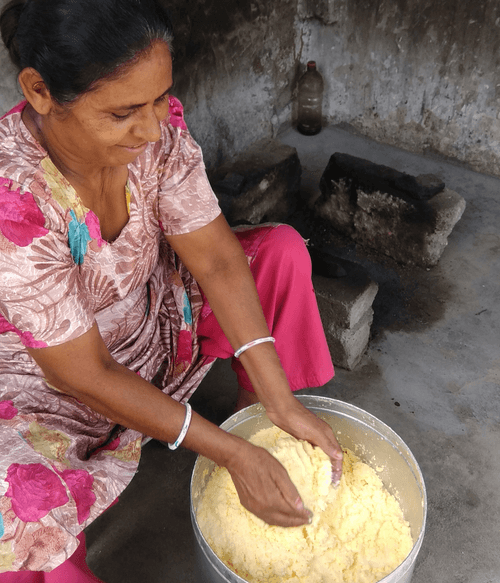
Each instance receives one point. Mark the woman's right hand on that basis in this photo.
(265, 489)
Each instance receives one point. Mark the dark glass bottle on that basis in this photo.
(310, 101)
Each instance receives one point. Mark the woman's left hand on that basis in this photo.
(301, 423)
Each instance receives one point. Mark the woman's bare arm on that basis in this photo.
(84, 369)
(216, 259)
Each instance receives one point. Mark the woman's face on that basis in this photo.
(112, 125)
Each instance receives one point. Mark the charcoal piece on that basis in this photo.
(230, 185)
(373, 177)
(430, 182)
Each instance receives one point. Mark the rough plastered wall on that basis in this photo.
(10, 94)
(234, 69)
(423, 75)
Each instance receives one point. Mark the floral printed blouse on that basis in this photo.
(61, 463)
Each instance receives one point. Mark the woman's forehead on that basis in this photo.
(142, 82)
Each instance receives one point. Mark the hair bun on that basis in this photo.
(9, 21)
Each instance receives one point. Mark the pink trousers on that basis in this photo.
(73, 570)
(281, 267)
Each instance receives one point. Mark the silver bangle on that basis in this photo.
(253, 343)
(184, 430)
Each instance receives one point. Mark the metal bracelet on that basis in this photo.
(184, 430)
(253, 343)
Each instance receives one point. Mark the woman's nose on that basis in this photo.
(148, 127)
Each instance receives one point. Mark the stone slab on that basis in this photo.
(382, 223)
(345, 307)
(261, 184)
(347, 346)
(410, 231)
(343, 301)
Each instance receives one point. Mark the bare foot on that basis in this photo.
(245, 399)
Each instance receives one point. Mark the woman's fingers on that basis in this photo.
(329, 444)
(265, 489)
(284, 518)
(303, 424)
(262, 483)
(336, 471)
(291, 496)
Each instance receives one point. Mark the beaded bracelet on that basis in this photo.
(253, 343)
(185, 427)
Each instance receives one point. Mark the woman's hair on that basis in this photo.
(73, 44)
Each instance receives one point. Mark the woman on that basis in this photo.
(115, 263)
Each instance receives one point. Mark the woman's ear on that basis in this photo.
(35, 91)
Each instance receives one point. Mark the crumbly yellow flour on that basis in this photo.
(358, 533)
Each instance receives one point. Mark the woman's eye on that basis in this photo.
(127, 115)
(162, 98)
(116, 116)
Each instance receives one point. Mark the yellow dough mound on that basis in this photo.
(358, 533)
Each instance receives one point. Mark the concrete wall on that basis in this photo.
(418, 74)
(423, 75)
(235, 67)
(10, 94)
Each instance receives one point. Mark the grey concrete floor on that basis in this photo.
(431, 372)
